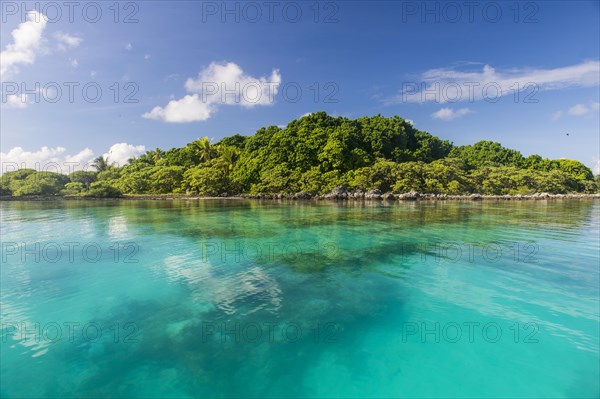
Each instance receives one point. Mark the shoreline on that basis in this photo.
(345, 196)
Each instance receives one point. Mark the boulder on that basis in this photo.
(411, 196)
(373, 194)
(337, 193)
(302, 195)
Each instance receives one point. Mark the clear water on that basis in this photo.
(245, 299)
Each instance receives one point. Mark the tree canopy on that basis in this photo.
(315, 154)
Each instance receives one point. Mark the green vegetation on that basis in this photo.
(316, 154)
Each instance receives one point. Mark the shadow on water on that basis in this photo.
(210, 358)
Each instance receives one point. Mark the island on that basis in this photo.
(319, 156)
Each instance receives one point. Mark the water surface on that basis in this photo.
(236, 298)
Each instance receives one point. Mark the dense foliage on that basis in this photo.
(316, 154)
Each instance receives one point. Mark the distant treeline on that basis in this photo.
(316, 154)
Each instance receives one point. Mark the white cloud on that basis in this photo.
(578, 110)
(452, 85)
(215, 82)
(74, 63)
(65, 40)
(58, 160)
(45, 159)
(447, 114)
(582, 109)
(147, 56)
(216, 85)
(27, 38)
(128, 47)
(16, 101)
(187, 109)
(120, 153)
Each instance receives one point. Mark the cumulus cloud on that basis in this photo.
(74, 63)
(27, 39)
(120, 153)
(45, 159)
(65, 40)
(188, 109)
(218, 84)
(447, 114)
(56, 159)
(453, 85)
(128, 47)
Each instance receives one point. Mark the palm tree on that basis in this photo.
(229, 156)
(203, 146)
(100, 164)
(156, 155)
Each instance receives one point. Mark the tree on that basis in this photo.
(83, 177)
(228, 157)
(166, 179)
(203, 148)
(103, 189)
(238, 141)
(41, 183)
(206, 181)
(319, 152)
(411, 177)
(73, 189)
(487, 153)
(100, 163)
(11, 181)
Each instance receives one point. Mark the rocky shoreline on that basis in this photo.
(336, 194)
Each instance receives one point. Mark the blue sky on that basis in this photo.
(350, 58)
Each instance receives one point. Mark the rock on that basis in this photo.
(337, 193)
(373, 194)
(411, 196)
(302, 195)
(389, 196)
(357, 194)
(475, 197)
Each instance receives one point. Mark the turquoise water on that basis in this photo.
(232, 299)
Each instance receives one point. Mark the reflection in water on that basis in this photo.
(175, 317)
